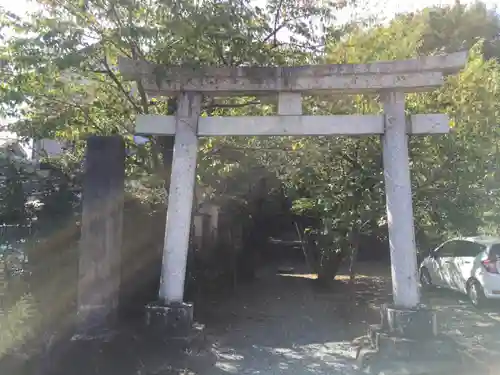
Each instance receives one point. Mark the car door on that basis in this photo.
(439, 266)
(464, 261)
(432, 265)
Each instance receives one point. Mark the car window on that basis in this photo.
(468, 249)
(447, 249)
(495, 250)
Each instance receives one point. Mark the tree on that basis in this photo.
(61, 82)
(453, 175)
(338, 181)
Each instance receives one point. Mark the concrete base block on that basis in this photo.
(173, 320)
(407, 342)
(418, 323)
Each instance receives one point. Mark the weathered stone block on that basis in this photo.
(373, 331)
(406, 342)
(418, 323)
(173, 320)
(100, 246)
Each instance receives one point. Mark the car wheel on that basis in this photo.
(476, 293)
(425, 278)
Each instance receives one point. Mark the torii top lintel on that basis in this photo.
(420, 74)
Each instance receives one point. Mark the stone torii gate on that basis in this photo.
(391, 79)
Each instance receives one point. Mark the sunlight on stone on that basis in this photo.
(283, 366)
(342, 348)
(494, 316)
(312, 276)
(227, 367)
(483, 324)
(230, 357)
(287, 353)
(313, 366)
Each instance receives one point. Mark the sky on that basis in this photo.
(373, 7)
(390, 7)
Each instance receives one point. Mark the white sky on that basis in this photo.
(389, 8)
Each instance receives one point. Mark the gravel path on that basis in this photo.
(476, 331)
(284, 325)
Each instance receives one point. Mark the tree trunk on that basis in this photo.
(352, 262)
(310, 263)
(354, 246)
(329, 266)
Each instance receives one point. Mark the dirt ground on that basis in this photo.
(285, 324)
(477, 332)
(279, 323)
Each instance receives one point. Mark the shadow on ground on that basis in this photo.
(277, 324)
(281, 323)
(476, 331)
(287, 324)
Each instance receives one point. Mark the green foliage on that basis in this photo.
(16, 323)
(60, 82)
(339, 180)
(454, 176)
(14, 172)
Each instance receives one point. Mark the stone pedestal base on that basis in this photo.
(415, 323)
(407, 342)
(172, 325)
(173, 320)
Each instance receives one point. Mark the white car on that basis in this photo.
(468, 265)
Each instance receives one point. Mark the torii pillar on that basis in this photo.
(399, 202)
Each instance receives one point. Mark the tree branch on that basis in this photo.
(119, 85)
(220, 53)
(278, 28)
(278, 11)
